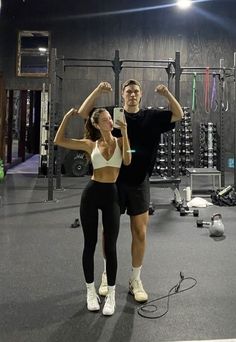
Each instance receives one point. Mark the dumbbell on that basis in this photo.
(200, 223)
(183, 212)
(151, 209)
(180, 205)
(215, 226)
(75, 224)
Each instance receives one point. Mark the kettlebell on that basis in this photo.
(217, 227)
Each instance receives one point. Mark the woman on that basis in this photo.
(106, 153)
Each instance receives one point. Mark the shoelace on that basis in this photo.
(110, 300)
(138, 283)
(93, 297)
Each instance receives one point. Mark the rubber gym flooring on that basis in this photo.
(42, 292)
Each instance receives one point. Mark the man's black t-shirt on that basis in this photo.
(144, 131)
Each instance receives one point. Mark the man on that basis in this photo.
(144, 129)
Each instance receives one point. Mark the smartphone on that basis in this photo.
(118, 114)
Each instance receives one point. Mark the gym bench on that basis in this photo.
(163, 182)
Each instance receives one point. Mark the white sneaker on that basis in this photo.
(137, 290)
(92, 300)
(110, 304)
(103, 289)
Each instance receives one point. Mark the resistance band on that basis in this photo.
(206, 90)
(194, 92)
(225, 103)
(213, 94)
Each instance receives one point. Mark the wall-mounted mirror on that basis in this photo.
(33, 53)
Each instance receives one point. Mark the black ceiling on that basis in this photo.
(50, 9)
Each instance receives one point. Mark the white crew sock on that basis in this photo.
(136, 273)
(111, 288)
(90, 286)
(105, 266)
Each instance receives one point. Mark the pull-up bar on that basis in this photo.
(204, 68)
(85, 65)
(200, 73)
(117, 65)
(143, 66)
(147, 61)
(84, 59)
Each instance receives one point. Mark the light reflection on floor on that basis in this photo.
(30, 166)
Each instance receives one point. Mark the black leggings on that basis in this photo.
(102, 196)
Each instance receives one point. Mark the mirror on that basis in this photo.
(33, 53)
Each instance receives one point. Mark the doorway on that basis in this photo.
(22, 135)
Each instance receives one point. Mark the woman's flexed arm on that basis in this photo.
(89, 102)
(71, 143)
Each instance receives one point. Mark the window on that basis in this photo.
(33, 53)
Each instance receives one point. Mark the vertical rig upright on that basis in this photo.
(117, 67)
(169, 134)
(234, 120)
(221, 122)
(52, 110)
(58, 118)
(178, 72)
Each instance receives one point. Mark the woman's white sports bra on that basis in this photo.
(98, 161)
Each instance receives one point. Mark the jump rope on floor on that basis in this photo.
(148, 310)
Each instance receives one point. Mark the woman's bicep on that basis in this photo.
(77, 144)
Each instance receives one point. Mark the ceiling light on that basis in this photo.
(183, 4)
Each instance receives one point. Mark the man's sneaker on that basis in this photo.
(110, 304)
(92, 300)
(137, 290)
(103, 289)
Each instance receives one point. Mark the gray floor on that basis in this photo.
(42, 293)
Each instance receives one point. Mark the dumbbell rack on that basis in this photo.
(186, 143)
(165, 160)
(208, 145)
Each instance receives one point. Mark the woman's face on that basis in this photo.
(105, 121)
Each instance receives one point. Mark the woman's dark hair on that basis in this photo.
(90, 131)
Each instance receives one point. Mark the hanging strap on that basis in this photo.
(225, 102)
(206, 90)
(194, 92)
(213, 94)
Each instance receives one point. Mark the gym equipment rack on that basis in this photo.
(173, 69)
(117, 65)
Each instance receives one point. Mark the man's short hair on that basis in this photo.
(131, 82)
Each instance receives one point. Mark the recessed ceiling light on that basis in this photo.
(184, 3)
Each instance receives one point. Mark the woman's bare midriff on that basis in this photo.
(105, 174)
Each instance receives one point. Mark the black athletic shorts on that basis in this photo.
(134, 199)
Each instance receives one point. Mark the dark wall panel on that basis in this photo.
(203, 36)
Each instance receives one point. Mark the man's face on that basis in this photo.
(132, 95)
